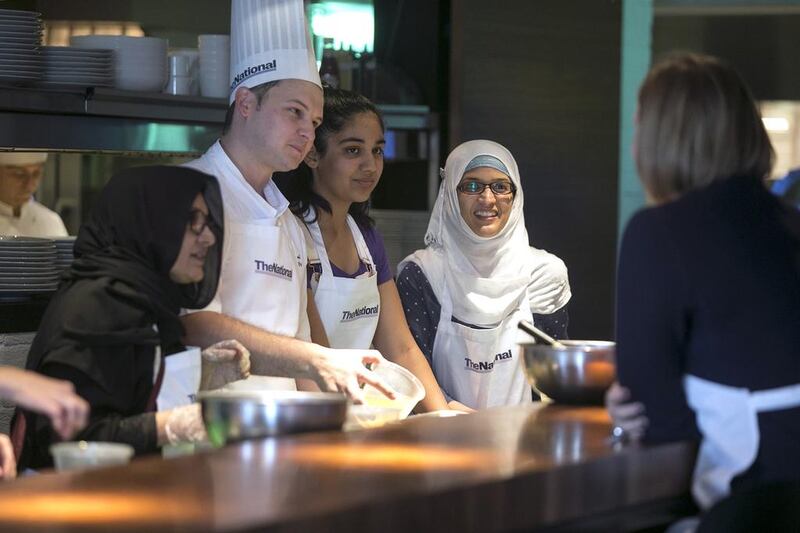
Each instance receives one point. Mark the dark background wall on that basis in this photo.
(764, 48)
(411, 36)
(542, 78)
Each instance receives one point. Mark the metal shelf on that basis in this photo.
(98, 120)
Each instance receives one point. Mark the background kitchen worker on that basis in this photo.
(350, 277)
(275, 105)
(466, 292)
(20, 176)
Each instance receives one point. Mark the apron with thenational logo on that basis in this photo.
(349, 307)
(263, 284)
(481, 367)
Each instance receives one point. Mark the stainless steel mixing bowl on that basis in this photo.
(237, 415)
(577, 373)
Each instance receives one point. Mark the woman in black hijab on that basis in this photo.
(152, 246)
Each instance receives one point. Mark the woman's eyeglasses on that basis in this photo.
(198, 221)
(498, 188)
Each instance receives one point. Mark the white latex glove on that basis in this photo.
(549, 287)
(628, 419)
(8, 464)
(224, 362)
(346, 370)
(185, 424)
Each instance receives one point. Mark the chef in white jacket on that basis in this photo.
(275, 106)
(20, 214)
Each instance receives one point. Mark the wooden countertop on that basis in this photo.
(496, 470)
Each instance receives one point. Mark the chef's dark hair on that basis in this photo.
(260, 91)
(697, 123)
(340, 108)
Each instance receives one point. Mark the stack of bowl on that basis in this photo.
(215, 52)
(140, 63)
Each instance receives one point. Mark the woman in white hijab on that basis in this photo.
(464, 294)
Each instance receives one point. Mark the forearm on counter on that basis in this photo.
(270, 354)
(416, 363)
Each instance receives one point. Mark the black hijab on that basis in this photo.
(134, 235)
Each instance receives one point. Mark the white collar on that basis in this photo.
(8, 211)
(271, 194)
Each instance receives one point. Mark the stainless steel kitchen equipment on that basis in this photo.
(578, 372)
(538, 334)
(232, 416)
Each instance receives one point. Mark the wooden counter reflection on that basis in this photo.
(497, 470)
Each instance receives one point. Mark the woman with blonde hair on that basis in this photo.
(708, 291)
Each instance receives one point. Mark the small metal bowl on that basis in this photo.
(232, 416)
(579, 373)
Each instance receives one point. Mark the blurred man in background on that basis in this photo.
(20, 214)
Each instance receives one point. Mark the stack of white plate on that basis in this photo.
(66, 65)
(27, 267)
(20, 38)
(64, 254)
(140, 63)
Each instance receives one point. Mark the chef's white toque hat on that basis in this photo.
(18, 159)
(270, 42)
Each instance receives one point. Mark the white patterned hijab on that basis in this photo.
(485, 257)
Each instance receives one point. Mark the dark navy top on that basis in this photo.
(709, 285)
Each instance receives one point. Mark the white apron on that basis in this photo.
(181, 379)
(728, 419)
(263, 284)
(481, 367)
(349, 308)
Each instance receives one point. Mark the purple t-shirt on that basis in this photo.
(376, 249)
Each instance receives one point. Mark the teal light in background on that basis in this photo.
(351, 25)
(637, 30)
(180, 139)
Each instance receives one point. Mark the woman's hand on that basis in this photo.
(628, 419)
(224, 362)
(8, 465)
(54, 398)
(346, 371)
